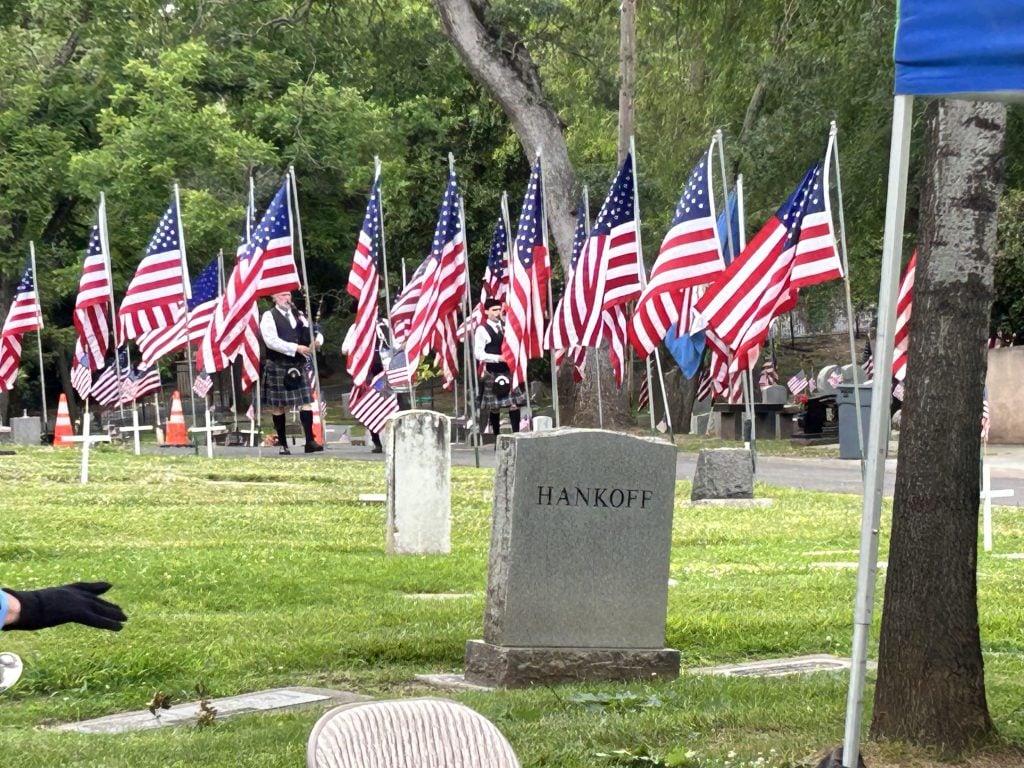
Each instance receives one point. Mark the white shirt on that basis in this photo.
(481, 339)
(268, 329)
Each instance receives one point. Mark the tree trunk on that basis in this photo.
(931, 684)
(512, 79)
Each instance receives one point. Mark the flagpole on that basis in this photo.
(293, 201)
(39, 330)
(470, 363)
(383, 247)
(250, 214)
(105, 246)
(187, 288)
(551, 301)
(832, 154)
(642, 271)
(512, 255)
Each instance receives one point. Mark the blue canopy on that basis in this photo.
(953, 47)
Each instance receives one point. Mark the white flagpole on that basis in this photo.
(187, 287)
(551, 301)
(510, 254)
(597, 362)
(293, 201)
(470, 362)
(105, 247)
(642, 272)
(832, 159)
(383, 247)
(39, 331)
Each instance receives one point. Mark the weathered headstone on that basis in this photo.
(577, 583)
(775, 394)
(418, 476)
(723, 473)
(26, 430)
(543, 423)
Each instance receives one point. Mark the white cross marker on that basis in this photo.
(135, 429)
(209, 430)
(86, 440)
(987, 494)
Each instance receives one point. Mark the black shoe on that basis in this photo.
(377, 449)
(285, 452)
(313, 447)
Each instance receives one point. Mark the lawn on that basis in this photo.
(240, 575)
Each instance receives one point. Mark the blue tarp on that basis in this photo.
(960, 47)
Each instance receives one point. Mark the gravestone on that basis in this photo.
(775, 394)
(26, 430)
(723, 473)
(577, 583)
(418, 476)
(543, 423)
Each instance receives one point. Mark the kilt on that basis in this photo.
(273, 392)
(487, 400)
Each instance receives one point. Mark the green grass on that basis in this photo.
(240, 575)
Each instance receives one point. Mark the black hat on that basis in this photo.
(490, 303)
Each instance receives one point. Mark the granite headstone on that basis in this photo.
(577, 580)
(26, 430)
(418, 477)
(723, 473)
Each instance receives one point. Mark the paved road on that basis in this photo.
(818, 474)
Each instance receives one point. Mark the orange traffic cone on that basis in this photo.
(176, 433)
(318, 425)
(62, 428)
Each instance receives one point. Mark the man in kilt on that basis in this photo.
(495, 391)
(284, 383)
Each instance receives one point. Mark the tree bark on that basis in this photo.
(931, 685)
(511, 77)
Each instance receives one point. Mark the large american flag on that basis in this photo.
(529, 272)
(443, 279)
(363, 280)
(155, 297)
(25, 315)
(740, 305)
(904, 304)
(690, 255)
(106, 390)
(265, 266)
(369, 406)
(94, 298)
(203, 301)
(556, 330)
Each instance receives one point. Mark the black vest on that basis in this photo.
(297, 335)
(493, 347)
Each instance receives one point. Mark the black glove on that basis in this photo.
(79, 602)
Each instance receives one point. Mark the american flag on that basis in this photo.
(726, 382)
(106, 390)
(25, 315)
(868, 363)
(81, 371)
(369, 406)
(495, 282)
(405, 306)
(690, 255)
(836, 377)
(155, 297)
(266, 266)
(203, 302)
(446, 347)
(139, 383)
(705, 385)
(529, 272)
(202, 384)
(615, 333)
(565, 308)
(756, 287)
(607, 272)
(363, 280)
(904, 304)
(769, 374)
(986, 417)
(643, 400)
(443, 279)
(797, 382)
(94, 297)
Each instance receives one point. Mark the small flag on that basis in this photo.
(202, 384)
(798, 382)
(836, 377)
(898, 391)
(643, 400)
(986, 419)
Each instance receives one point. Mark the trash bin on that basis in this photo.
(849, 445)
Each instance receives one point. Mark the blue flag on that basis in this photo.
(688, 350)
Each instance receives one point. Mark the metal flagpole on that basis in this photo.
(293, 203)
(255, 424)
(105, 246)
(383, 248)
(470, 361)
(39, 330)
(551, 301)
(832, 153)
(231, 372)
(188, 295)
(878, 434)
(642, 272)
(597, 362)
(510, 254)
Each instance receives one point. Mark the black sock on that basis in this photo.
(306, 419)
(281, 429)
(375, 437)
(513, 419)
(495, 418)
